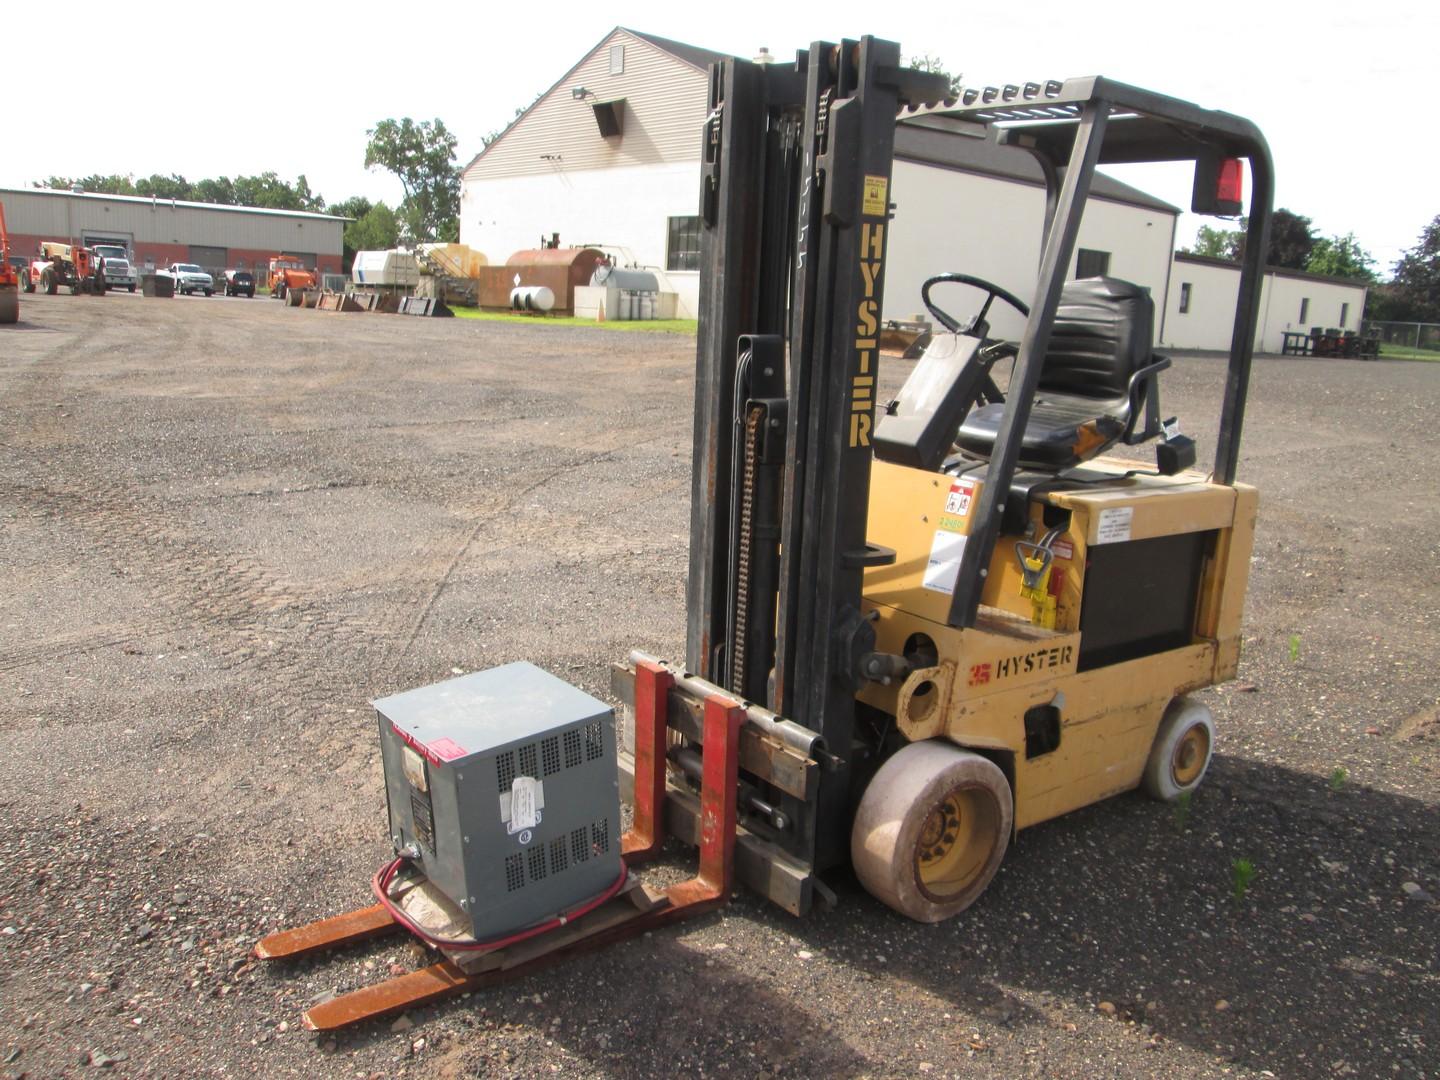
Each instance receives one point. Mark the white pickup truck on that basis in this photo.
(190, 278)
(119, 273)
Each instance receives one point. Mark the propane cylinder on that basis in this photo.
(532, 298)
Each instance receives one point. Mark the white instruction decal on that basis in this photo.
(521, 806)
(414, 767)
(944, 565)
(524, 813)
(1114, 527)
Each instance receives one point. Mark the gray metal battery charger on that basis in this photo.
(502, 785)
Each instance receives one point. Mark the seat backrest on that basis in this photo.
(1101, 337)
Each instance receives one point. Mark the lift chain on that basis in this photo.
(745, 533)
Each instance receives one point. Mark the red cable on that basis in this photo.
(380, 884)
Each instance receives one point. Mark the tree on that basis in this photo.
(357, 206)
(1216, 243)
(1417, 275)
(1343, 257)
(1388, 303)
(935, 66)
(373, 228)
(1291, 240)
(269, 191)
(377, 229)
(112, 184)
(156, 186)
(422, 156)
(220, 190)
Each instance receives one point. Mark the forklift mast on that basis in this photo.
(794, 213)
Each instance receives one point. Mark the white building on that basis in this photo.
(610, 157)
(1200, 308)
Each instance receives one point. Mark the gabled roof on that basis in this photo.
(691, 54)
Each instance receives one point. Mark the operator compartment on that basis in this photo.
(1085, 564)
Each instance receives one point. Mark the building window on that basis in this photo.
(1304, 310)
(1184, 298)
(1092, 263)
(617, 59)
(1344, 314)
(682, 248)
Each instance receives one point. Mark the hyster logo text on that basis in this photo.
(1040, 660)
(862, 386)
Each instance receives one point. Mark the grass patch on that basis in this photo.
(652, 326)
(1242, 872)
(1406, 352)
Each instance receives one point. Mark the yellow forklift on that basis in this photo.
(914, 627)
(977, 621)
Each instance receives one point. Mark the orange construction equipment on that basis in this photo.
(66, 264)
(289, 272)
(9, 282)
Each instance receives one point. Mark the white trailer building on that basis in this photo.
(1201, 304)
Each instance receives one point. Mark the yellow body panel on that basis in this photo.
(989, 675)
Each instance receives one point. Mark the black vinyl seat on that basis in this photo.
(1096, 383)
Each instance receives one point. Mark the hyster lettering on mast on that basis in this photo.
(913, 630)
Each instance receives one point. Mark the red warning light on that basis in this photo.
(1230, 182)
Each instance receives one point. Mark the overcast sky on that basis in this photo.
(1338, 88)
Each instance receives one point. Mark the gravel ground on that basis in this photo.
(226, 525)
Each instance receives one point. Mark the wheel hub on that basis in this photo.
(1191, 753)
(955, 843)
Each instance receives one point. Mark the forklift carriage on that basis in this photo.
(915, 629)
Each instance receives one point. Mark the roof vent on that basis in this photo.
(609, 117)
(78, 189)
(763, 56)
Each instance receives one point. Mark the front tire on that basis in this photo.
(1180, 755)
(931, 830)
(132, 288)
(48, 285)
(209, 292)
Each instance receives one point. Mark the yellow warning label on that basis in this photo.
(877, 189)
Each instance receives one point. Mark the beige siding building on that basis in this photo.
(633, 192)
(610, 157)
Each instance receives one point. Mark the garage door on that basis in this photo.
(211, 258)
(90, 239)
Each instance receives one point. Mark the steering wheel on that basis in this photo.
(978, 326)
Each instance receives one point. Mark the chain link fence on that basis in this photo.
(1408, 335)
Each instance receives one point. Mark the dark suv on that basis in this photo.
(21, 265)
(239, 283)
